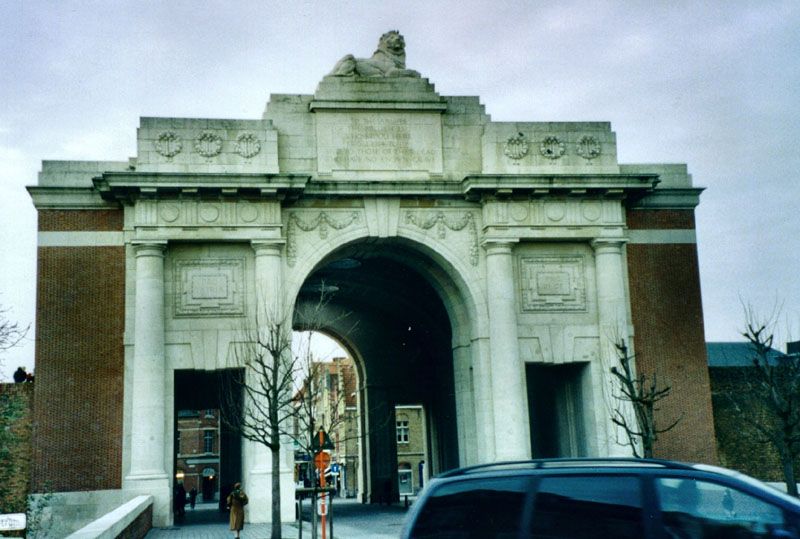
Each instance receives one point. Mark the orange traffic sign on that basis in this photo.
(322, 460)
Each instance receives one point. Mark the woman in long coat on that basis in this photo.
(236, 502)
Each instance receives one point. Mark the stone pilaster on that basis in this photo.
(509, 394)
(269, 311)
(612, 321)
(147, 470)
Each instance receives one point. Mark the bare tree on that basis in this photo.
(261, 404)
(11, 333)
(259, 407)
(769, 404)
(643, 393)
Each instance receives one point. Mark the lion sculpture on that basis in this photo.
(388, 61)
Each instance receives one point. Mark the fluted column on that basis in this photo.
(147, 473)
(509, 394)
(612, 320)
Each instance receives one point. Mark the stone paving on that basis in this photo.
(352, 520)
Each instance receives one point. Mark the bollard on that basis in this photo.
(405, 501)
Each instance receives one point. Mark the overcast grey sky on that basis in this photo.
(715, 85)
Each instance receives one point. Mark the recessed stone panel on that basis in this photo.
(213, 287)
(376, 142)
(552, 283)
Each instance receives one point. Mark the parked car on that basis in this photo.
(600, 498)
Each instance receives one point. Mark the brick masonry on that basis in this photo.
(80, 220)
(79, 358)
(669, 339)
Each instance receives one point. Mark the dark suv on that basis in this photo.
(600, 498)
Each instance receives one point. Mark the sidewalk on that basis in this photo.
(352, 520)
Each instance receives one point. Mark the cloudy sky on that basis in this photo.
(713, 84)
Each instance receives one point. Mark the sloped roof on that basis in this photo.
(734, 354)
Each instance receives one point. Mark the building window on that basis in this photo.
(208, 441)
(402, 431)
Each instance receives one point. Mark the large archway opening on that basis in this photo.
(389, 314)
(207, 453)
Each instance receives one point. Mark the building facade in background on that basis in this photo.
(197, 447)
(481, 269)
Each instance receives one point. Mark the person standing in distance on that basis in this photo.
(236, 501)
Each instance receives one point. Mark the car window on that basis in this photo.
(476, 509)
(694, 508)
(591, 506)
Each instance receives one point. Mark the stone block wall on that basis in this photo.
(79, 357)
(669, 340)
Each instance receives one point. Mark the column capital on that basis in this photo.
(496, 246)
(149, 248)
(268, 247)
(608, 245)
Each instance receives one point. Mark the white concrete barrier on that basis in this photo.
(112, 524)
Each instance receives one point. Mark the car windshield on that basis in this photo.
(749, 480)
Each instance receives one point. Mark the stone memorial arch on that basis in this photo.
(490, 266)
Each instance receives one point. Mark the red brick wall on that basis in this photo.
(79, 359)
(669, 338)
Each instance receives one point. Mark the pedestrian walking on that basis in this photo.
(192, 497)
(236, 501)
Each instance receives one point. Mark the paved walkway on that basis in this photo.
(352, 520)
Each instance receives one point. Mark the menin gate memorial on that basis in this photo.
(490, 266)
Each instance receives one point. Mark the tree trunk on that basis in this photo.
(788, 472)
(276, 491)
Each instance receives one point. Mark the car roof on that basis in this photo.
(568, 463)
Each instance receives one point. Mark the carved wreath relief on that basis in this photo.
(247, 145)
(168, 144)
(208, 144)
(516, 147)
(211, 287)
(552, 283)
(552, 148)
(588, 147)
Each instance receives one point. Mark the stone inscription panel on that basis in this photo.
(212, 287)
(552, 283)
(379, 141)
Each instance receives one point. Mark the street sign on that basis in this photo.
(322, 460)
(13, 521)
(321, 441)
(335, 468)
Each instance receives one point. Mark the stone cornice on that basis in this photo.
(615, 185)
(671, 199)
(127, 186)
(69, 198)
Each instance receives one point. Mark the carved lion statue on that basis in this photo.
(388, 61)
